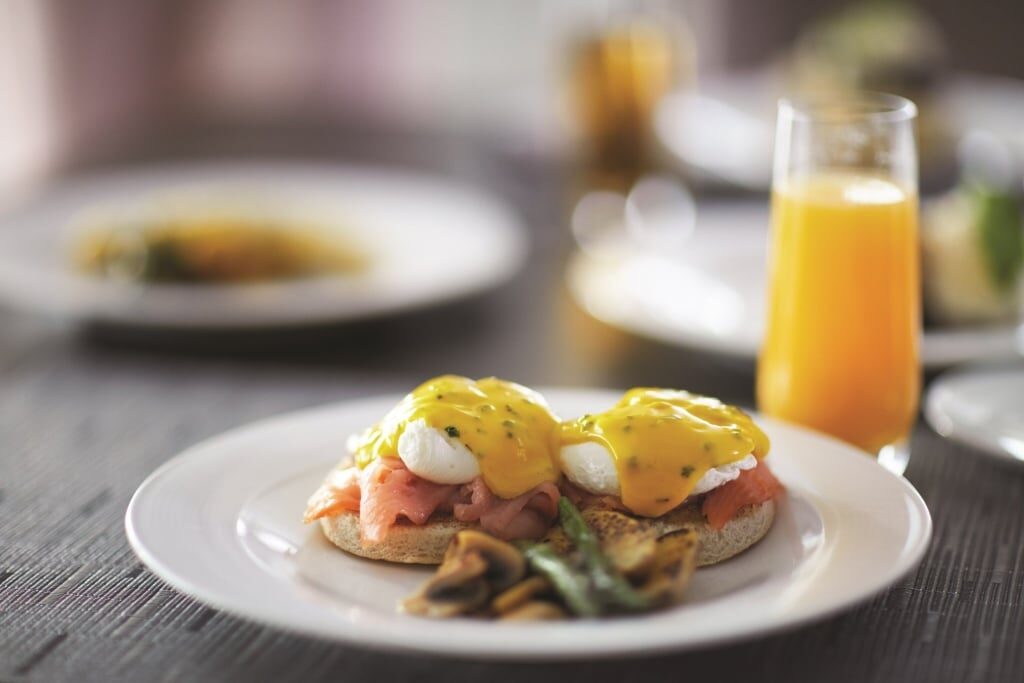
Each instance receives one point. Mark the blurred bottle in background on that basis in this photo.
(619, 69)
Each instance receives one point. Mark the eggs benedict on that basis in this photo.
(675, 459)
(454, 454)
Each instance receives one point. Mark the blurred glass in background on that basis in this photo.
(620, 68)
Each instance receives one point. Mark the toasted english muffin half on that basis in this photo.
(749, 526)
(409, 543)
(406, 542)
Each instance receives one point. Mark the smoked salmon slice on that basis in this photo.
(338, 493)
(389, 491)
(753, 486)
(526, 516)
(386, 492)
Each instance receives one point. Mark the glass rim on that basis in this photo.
(861, 106)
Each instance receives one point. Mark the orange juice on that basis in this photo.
(841, 349)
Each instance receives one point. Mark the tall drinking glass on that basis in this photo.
(844, 323)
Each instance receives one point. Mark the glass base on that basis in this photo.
(895, 457)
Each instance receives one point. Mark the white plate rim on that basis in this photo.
(88, 300)
(939, 348)
(913, 551)
(939, 420)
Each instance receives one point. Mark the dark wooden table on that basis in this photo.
(86, 415)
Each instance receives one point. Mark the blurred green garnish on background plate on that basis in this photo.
(875, 45)
(1000, 234)
(972, 246)
(215, 248)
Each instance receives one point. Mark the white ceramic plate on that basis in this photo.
(725, 130)
(222, 522)
(428, 242)
(711, 297)
(982, 407)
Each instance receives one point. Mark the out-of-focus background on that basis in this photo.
(81, 80)
(645, 112)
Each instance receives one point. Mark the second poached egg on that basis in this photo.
(657, 447)
(591, 466)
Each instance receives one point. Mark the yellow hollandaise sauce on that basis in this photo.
(663, 441)
(509, 429)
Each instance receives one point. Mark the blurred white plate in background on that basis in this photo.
(982, 407)
(222, 522)
(428, 241)
(711, 296)
(725, 130)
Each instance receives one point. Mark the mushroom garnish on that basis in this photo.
(458, 587)
(596, 563)
(673, 567)
(520, 594)
(630, 546)
(505, 564)
(475, 567)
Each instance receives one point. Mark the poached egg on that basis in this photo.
(451, 429)
(657, 447)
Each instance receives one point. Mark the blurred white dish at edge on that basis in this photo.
(982, 407)
(711, 297)
(429, 241)
(725, 129)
